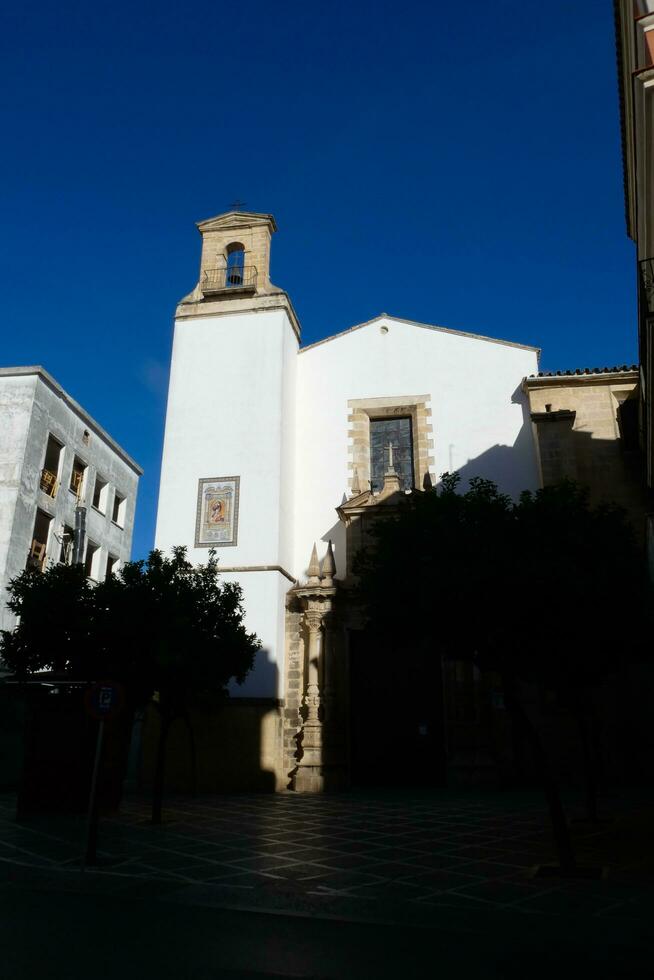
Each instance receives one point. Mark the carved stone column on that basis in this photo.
(313, 768)
(312, 736)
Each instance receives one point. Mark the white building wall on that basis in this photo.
(16, 400)
(230, 413)
(480, 416)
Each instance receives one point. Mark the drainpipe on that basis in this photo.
(79, 535)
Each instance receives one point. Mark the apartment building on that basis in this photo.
(635, 55)
(67, 489)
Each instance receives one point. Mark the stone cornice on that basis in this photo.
(316, 593)
(577, 380)
(277, 300)
(258, 568)
(369, 501)
(236, 219)
(562, 415)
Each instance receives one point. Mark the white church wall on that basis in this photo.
(230, 413)
(261, 601)
(479, 414)
(287, 499)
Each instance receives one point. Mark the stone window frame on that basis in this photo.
(362, 410)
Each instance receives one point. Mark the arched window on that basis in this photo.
(234, 275)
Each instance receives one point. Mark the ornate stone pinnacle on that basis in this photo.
(328, 566)
(356, 486)
(314, 568)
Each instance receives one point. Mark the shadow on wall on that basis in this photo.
(235, 743)
(513, 468)
(338, 536)
(611, 469)
(261, 682)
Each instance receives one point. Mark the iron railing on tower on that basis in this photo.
(241, 278)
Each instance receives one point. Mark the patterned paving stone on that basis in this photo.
(260, 862)
(489, 869)
(344, 880)
(303, 872)
(394, 890)
(435, 862)
(499, 892)
(431, 850)
(563, 901)
(443, 880)
(350, 847)
(315, 854)
(392, 870)
(477, 853)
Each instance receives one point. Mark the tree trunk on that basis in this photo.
(560, 829)
(194, 755)
(590, 777)
(159, 769)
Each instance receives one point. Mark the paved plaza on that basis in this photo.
(370, 885)
(407, 857)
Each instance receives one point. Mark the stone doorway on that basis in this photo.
(396, 715)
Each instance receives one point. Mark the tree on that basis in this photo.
(495, 583)
(190, 627)
(172, 633)
(55, 616)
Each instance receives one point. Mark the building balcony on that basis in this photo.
(235, 279)
(48, 482)
(77, 482)
(36, 557)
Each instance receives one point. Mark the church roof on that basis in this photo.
(423, 326)
(236, 219)
(617, 369)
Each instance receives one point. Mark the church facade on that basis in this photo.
(277, 454)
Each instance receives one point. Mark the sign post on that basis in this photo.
(103, 701)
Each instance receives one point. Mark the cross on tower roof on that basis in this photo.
(237, 205)
(391, 468)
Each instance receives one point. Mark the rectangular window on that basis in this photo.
(77, 477)
(100, 493)
(118, 513)
(112, 565)
(395, 432)
(40, 536)
(49, 482)
(67, 545)
(92, 561)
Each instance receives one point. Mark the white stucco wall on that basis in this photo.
(479, 414)
(230, 412)
(16, 399)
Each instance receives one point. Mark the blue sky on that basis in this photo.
(451, 163)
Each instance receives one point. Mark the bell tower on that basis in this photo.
(228, 457)
(236, 241)
(235, 268)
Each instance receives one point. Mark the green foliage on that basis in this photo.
(547, 589)
(163, 625)
(55, 610)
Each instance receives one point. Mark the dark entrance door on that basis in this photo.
(396, 715)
